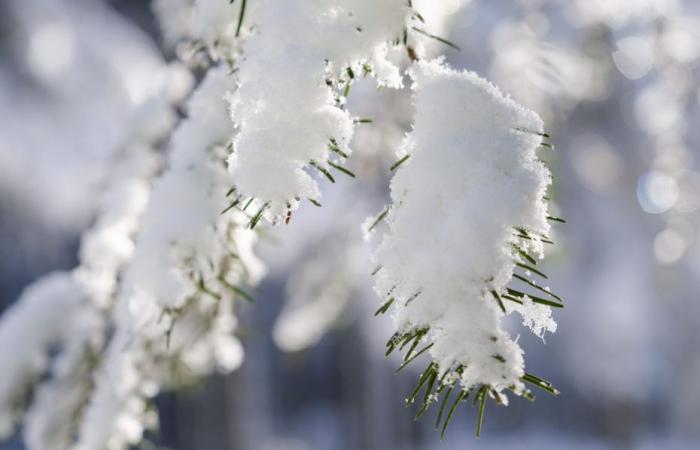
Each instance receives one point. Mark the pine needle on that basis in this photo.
(248, 203)
(525, 255)
(203, 288)
(426, 397)
(408, 338)
(256, 218)
(333, 146)
(418, 16)
(322, 170)
(535, 299)
(437, 38)
(416, 340)
(405, 363)
(536, 286)
(531, 269)
(385, 307)
(381, 217)
(231, 206)
(540, 383)
(341, 169)
(513, 299)
(462, 396)
(398, 163)
(241, 14)
(421, 381)
(525, 130)
(525, 235)
(482, 407)
(414, 296)
(500, 302)
(240, 292)
(498, 358)
(442, 407)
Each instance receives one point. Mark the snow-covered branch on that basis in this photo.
(467, 209)
(151, 305)
(175, 314)
(289, 106)
(85, 308)
(34, 324)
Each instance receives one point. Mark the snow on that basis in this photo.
(166, 258)
(36, 322)
(215, 19)
(473, 176)
(175, 18)
(105, 249)
(535, 316)
(174, 316)
(186, 201)
(288, 106)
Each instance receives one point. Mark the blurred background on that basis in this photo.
(617, 82)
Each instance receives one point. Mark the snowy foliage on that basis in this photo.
(466, 202)
(35, 323)
(151, 306)
(175, 312)
(59, 401)
(289, 106)
(186, 202)
(173, 318)
(105, 248)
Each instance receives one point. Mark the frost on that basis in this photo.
(472, 179)
(289, 107)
